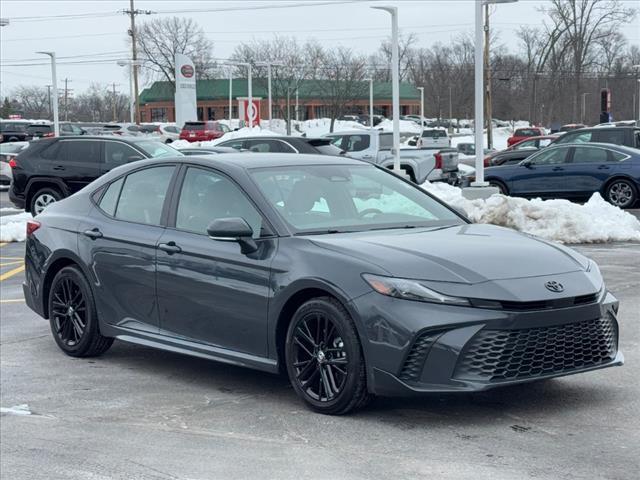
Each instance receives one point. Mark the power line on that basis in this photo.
(97, 54)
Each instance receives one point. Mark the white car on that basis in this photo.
(434, 138)
(7, 152)
(169, 133)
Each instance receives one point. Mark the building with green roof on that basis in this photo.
(315, 99)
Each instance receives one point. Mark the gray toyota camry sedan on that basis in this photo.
(351, 280)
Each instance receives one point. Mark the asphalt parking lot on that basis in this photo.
(139, 413)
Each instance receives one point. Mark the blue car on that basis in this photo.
(575, 172)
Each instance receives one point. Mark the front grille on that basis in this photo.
(550, 304)
(413, 364)
(495, 355)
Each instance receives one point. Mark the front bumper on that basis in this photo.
(414, 347)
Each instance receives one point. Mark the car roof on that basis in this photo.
(610, 146)
(272, 137)
(356, 131)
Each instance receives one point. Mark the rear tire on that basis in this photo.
(324, 358)
(43, 198)
(621, 193)
(500, 186)
(73, 316)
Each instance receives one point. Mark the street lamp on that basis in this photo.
(584, 106)
(395, 86)
(371, 102)
(132, 100)
(54, 82)
(269, 65)
(637, 67)
(479, 96)
(421, 106)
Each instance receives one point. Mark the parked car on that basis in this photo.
(283, 144)
(14, 131)
(7, 152)
(470, 149)
(169, 133)
(71, 129)
(420, 165)
(434, 138)
(574, 172)
(522, 133)
(40, 130)
(629, 136)
(349, 118)
(54, 168)
(127, 129)
(352, 281)
(207, 150)
(364, 119)
(509, 157)
(203, 131)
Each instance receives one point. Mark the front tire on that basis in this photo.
(324, 358)
(621, 193)
(43, 198)
(73, 316)
(502, 188)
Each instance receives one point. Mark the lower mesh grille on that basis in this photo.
(413, 364)
(494, 355)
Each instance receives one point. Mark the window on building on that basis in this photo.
(158, 114)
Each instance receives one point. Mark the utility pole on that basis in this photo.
(132, 12)
(115, 113)
(66, 99)
(487, 75)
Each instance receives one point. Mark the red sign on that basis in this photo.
(187, 71)
(254, 112)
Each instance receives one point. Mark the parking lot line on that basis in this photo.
(11, 258)
(12, 300)
(11, 273)
(14, 262)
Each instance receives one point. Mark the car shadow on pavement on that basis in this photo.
(182, 373)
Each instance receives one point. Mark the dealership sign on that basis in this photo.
(185, 97)
(249, 111)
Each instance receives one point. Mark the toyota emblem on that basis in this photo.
(554, 286)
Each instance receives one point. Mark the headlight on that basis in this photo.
(410, 290)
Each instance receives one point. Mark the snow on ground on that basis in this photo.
(13, 228)
(500, 136)
(596, 221)
(16, 410)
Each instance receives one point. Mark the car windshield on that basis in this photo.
(434, 133)
(316, 199)
(156, 149)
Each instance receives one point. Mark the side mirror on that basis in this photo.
(526, 163)
(233, 229)
(134, 158)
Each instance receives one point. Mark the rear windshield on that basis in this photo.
(156, 149)
(39, 128)
(526, 132)
(434, 133)
(194, 126)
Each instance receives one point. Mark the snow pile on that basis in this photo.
(17, 410)
(593, 222)
(13, 228)
(407, 127)
(500, 136)
(320, 126)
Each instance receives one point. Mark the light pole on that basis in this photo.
(132, 99)
(421, 106)
(371, 103)
(230, 94)
(54, 83)
(269, 65)
(395, 86)
(637, 67)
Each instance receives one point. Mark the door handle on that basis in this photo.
(169, 247)
(93, 233)
(603, 167)
(557, 169)
(367, 157)
(58, 167)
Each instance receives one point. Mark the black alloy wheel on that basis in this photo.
(324, 358)
(73, 317)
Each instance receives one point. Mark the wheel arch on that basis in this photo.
(56, 263)
(37, 183)
(288, 303)
(618, 176)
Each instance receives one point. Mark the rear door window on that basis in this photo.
(82, 151)
(143, 195)
(590, 155)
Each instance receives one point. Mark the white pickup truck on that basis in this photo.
(420, 164)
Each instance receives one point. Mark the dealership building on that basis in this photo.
(157, 101)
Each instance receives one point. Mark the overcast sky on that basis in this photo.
(101, 35)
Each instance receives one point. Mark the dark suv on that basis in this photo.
(14, 131)
(54, 168)
(628, 136)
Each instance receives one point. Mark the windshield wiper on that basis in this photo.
(321, 232)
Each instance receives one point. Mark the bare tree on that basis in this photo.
(159, 40)
(584, 23)
(96, 105)
(380, 62)
(33, 101)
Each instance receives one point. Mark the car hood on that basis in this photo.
(469, 254)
